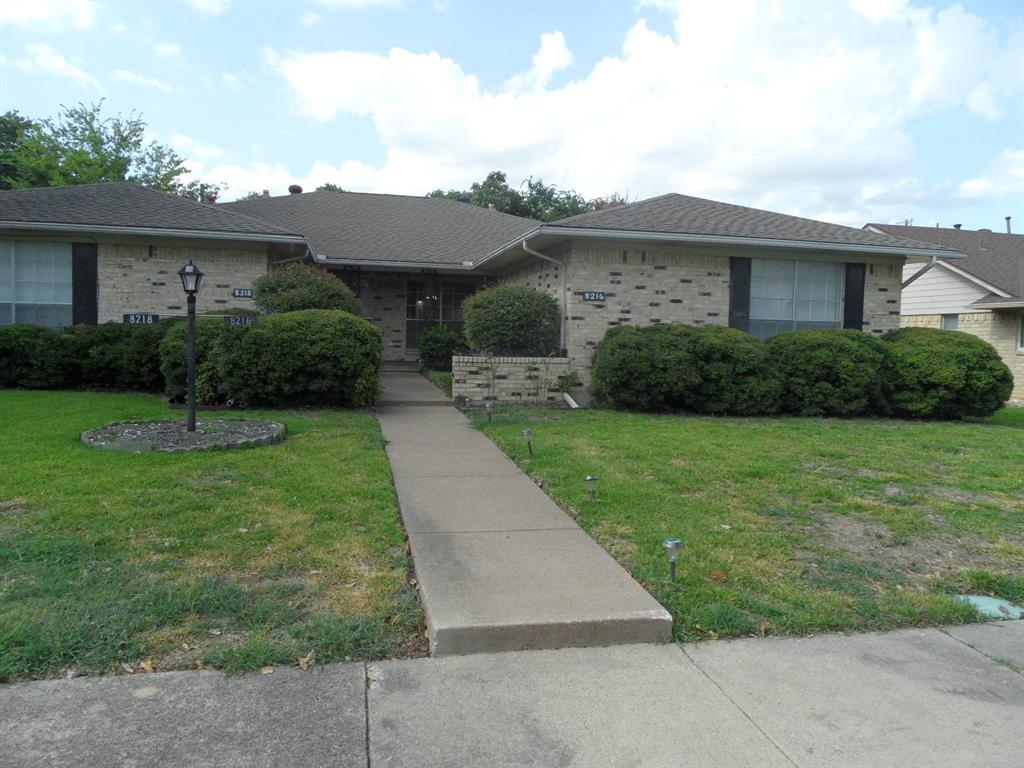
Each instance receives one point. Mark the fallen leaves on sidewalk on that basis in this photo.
(307, 661)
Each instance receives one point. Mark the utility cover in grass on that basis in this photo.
(995, 607)
(173, 437)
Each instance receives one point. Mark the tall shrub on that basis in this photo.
(210, 333)
(512, 320)
(437, 345)
(841, 372)
(734, 375)
(301, 286)
(946, 374)
(313, 357)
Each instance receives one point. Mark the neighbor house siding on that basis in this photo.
(144, 278)
(1001, 329)
(939, 291)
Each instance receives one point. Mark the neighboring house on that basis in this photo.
(97, 252)
(413, 260)
(982, 294)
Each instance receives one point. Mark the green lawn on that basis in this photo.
(792, 526)
(229, 559)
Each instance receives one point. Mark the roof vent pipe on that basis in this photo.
(1008, 225)
(957, 226)
(266, 193)
(295, 189)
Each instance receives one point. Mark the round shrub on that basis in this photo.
(301, 286)
(644, 369)
(512, 320)
(174, 360)
(313, 357)
(437, 345)
(946, 374)
(734, 375)
(832, 372)
(36, 357)
(119, 356)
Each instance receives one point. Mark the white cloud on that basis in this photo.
(79, 14)
(167, 50)
(230, 81)
(1004, 179)
(805, 108)
(134, 78)
(310, 18)
(554, 55)
(361, 4)
(209, 7)
(45, 60)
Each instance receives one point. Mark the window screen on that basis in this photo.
(35, 283)
(787, 295)
(951, 322)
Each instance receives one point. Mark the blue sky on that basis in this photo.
(870, 110)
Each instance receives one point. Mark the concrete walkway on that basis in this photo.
(912, 698)
(500, 566)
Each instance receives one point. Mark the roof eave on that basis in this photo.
(36, 226)
(385, 263)
(1011, 303)
(761, 242)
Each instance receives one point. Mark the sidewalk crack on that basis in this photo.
(736, 704)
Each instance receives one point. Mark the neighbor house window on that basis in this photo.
(951, 322)
(35, 283)
(787, 295)
(1020, 333)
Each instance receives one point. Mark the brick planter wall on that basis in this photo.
(477, 379)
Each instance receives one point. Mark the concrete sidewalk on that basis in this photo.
(500, 566)
(912, 698)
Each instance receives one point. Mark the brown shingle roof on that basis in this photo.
(995, 257)
(389, 228)
(681, 214)
(122, 205)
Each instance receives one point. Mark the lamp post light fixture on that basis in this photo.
(489, 405)
(191, 276)
(673, 547)
(528, 434)
(591, 481)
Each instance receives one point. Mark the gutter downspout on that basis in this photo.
(561, 298)
(920, 272)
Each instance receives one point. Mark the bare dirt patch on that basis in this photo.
(941, 552)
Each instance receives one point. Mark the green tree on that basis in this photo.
(250, 196)
(13, 128)
(82, 146)
(534, 199)
(330, 187)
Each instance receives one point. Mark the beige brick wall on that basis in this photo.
(1000, 329)
(882, 292)
(144, 278)
(387, 312)
(508, 380)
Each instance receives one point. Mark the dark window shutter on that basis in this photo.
(853, 301)
(84, 308)
(739, 293)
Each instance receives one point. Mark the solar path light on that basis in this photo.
(591, 481)
(191, 276)
(673, 548)
(528, 434)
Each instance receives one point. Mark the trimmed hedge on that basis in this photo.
(35, 357)
(437, 345)
(123, 357)
(512, 320)
(301, 286)
(912, 373)
(946, 374)
(678, 367)
(832, 373)
(315, 357)
(174, 361)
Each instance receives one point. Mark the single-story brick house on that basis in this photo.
(413, 260)
(982, 294)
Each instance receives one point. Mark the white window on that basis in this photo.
(1020, 333)
(951, 322)
(35, 283)
(790, 295)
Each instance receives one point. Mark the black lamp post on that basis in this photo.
(191, 276)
